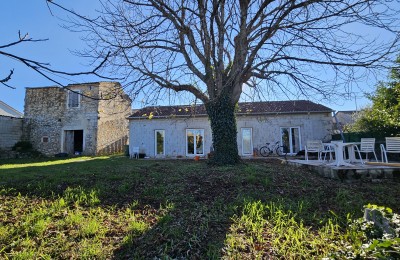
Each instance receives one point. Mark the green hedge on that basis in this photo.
(356, 137)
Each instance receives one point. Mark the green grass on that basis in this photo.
(114, 207)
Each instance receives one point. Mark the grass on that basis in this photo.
(113, 207)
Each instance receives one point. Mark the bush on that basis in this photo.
(22, 146)
(25, 149)
(379, 232)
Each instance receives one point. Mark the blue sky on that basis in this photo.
(34, 17)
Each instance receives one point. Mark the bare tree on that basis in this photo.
(42, 68)
(213, 48)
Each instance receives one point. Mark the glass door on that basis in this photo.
(247, 141)
(194, 141)
(160, 142)
(290, 138)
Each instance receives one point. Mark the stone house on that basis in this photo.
(88, 119)
(184, 131)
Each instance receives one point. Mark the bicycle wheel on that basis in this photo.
(281, 150)
(264, 151)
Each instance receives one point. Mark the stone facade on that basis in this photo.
(112, 123)
(357, 173)
(10, 132)
(87, 118)
(263, 128)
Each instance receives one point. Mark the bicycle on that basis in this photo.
(269, 149)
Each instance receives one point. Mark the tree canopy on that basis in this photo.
(382, 118)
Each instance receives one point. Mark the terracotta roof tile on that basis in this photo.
(245, 108)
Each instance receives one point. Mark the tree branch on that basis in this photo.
(216, 45)
(42, 68)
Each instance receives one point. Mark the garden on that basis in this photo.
(114, 207)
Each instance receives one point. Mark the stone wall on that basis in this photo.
(84, 117)
(112, 129)
(43, 111)
(10, 132)
(373, 173)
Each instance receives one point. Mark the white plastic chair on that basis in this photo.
(314, 146)
(134, 152)
(367, 146)
(392, 146)
(327, 149)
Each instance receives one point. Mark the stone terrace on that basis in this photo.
(373, 172)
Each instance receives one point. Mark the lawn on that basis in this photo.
(114, 207)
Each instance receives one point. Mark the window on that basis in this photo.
(45, 139)
(194, 141)
(290, 137)
(160, 142)
(247, 141)
(74, 99)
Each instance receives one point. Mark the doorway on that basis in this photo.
(194, 141)
(73, 142)
(290, 138)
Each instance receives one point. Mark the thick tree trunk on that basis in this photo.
(221, 113)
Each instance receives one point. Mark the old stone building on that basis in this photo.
(88, 119)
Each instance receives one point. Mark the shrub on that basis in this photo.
(22, 146)
(379, 231)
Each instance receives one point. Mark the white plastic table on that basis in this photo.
(339, 148)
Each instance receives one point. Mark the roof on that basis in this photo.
(347, 112)
(345, 117)
(245, 108)
(6, 110)
(74, 84)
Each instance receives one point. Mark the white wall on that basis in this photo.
(10, 131)
(142, 134)
(264, 129)
(268, 128)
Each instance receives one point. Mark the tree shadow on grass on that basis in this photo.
(196, 226)
(190, 206)
(206, 200)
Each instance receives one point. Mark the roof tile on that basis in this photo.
(245, 108)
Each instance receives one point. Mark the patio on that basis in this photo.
(369, 171)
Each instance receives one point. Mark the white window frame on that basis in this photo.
(251, 141)
(77, 92)
(195, 148)
(290, 152)
(155, 141)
